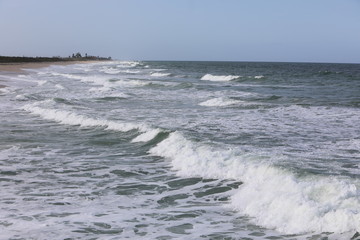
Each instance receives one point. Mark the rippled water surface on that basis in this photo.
(181, 150)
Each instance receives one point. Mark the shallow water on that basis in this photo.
(181, 150)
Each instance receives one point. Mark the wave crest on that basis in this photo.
(220, 102)
(159, 74)
(274, 197)
(70, 118)
(219, 78)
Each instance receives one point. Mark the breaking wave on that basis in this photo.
(127, 64)
(70, 118)
(129, 71)
(273, 197)
(59, 86)
(109, 70)
(259, 77)
(220, 102)
(158, 74)
(215, 78)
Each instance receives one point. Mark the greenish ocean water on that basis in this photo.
(181, 150)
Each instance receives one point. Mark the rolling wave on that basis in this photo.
(218, 78)
(70, 118)
(220, 102)
(160, 74)
(273, 197)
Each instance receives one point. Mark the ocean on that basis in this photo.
(181, 150)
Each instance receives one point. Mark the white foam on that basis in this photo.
(104, 81)
(43, 73)
(67, 75)
(135, 83)
(59, 86)
(100, 80)
(274, 197)
(5, 90)
(70, 118)
(21, 97)
(259, 77)
(147, 136)
(158, 74)
(130, 71)
(127, 64)
(220, 102)
(41, 82)
(6, 154)
(110, 71)
(99, 89)
(219, 78)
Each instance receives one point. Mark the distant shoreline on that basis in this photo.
(11, 59)
(18, 64)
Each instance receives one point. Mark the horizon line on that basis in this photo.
(240, 61)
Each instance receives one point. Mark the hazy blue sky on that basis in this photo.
(230, 30)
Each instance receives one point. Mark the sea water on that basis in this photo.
(181, 150)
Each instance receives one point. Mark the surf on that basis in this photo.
(273, 197)
(70, 118)
(219, 78)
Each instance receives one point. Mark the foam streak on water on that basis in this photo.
(180, 150)
(69, 118)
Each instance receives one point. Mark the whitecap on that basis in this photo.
(71, 118)
(158, 74)
(147, 136)
(131, 83)
(110, 71)
(219, 78)
(220, 102)
(5, 90)
(259, 77)
(99, 89)
(273, 197)
(127, 64)
(67, 75)
(59, 86)
(41, 82)
(21, 97)
(129, 71)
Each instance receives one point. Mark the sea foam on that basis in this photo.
(70, 118)
(273, 197)
(105, 81)
(130, 71)
(158, 74)
(259, 77)
(127, 64)
(147, 136)
(217, 78)
(109, 70)
(220, 102)
(59, 86)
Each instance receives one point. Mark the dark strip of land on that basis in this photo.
(9, 59)
(18, 64)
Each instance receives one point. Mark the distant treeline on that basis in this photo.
(74, 57)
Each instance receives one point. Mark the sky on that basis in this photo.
(196, 30)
